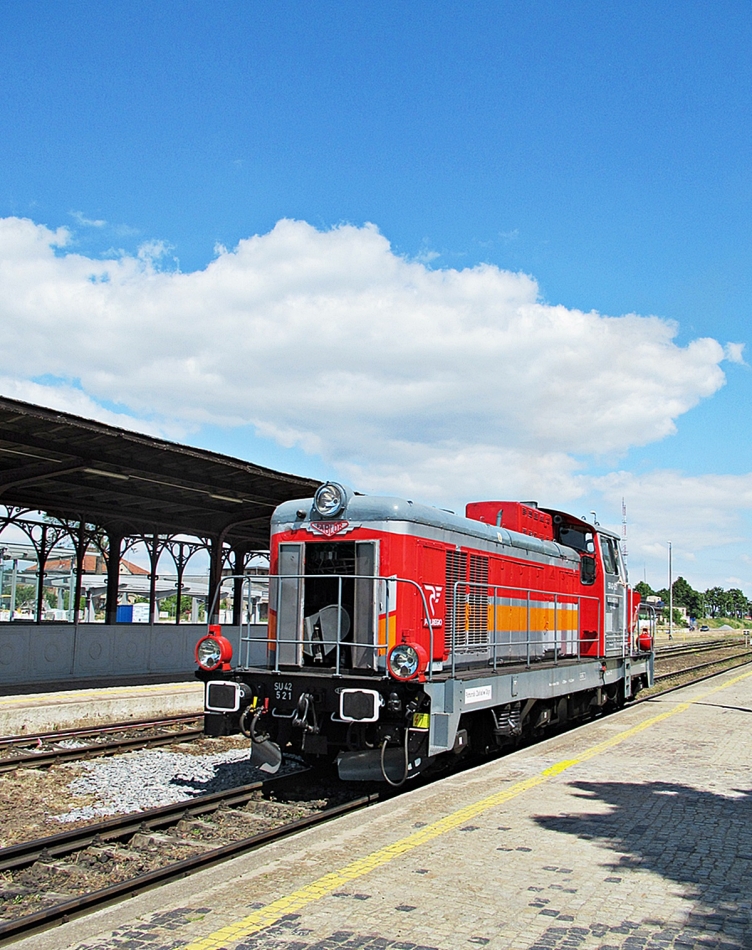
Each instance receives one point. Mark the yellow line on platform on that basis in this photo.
(291, 903)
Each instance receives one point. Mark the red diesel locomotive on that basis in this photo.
(400, 634)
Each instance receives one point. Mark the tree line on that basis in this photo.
(714, 602)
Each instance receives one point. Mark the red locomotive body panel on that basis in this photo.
(513, 515)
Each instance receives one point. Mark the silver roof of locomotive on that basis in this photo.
(374, 510)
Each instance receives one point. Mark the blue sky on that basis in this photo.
(603, 149)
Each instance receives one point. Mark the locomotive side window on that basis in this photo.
(610, 556)
(587, 570)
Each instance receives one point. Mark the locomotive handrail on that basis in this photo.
(652, 619)
(369, 577)
(550, 596)
(250, 579)
(493, 590)
(378, 645)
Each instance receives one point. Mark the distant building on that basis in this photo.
(93, 564)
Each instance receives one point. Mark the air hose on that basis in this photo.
(250, 731)
(407, 761)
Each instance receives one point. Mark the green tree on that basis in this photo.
(715, 599)
(737, 603)
(644, 590)
(689, 598)
(26, 596)
(170, 604)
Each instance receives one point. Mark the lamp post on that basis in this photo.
(670, 594)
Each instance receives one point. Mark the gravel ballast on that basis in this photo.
(150, 778)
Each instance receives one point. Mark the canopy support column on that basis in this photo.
(240, 553)
(115, 543)
(215, 579)
(82, 543)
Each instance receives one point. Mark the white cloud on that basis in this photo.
(81, 219)
(734, 353)
(436, 384)
(66, 398)
(693, 511)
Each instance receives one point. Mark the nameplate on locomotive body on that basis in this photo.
(330, 528)
(477, 694)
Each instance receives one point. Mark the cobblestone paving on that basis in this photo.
(647, 845)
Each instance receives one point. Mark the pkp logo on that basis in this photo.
(434, 596)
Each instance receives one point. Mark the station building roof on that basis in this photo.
(78, 469)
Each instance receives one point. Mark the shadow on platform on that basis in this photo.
(701, 840)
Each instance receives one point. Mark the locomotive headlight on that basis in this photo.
(212, 651)
(208, 653)
(329, 499)
(405, 661)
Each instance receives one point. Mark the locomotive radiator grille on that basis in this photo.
(477, 599)
(467, 601)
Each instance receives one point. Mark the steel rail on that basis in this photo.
(20, 855)
(63, 912)
(54, 756)
(746, 655)
(97, 730)
(701, 646)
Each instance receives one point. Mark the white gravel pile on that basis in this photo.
(149, 778)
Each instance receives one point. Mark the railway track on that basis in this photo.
(48, 748)
(670, 660)
(745, 657)
(145, 833)
(701, 646)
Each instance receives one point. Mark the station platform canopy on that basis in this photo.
(128, 483)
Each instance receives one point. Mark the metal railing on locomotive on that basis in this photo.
(378, 646)
(645, 613)
(488, 595)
